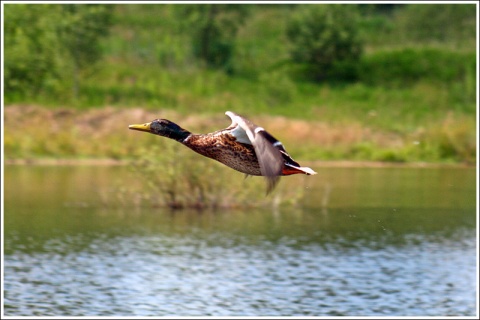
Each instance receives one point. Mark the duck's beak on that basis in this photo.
(140, 127)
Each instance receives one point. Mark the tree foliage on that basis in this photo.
(52, 50)
(47, 45)
(213, 28)
(31, 42)
(326, 39)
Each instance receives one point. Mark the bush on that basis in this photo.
(28, 30)
(47, 46)
(325, 39)
(214, 27)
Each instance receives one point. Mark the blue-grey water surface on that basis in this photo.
(388, 242)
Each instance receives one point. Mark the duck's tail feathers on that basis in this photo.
(289, 169)
(308, 171)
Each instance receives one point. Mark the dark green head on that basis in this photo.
(164, 128)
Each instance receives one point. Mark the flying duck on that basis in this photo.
(242, 146)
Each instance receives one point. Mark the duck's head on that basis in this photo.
(162, 127)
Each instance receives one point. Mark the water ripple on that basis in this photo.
(188, 276)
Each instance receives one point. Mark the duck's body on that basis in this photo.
(224, 148)
(242, 146)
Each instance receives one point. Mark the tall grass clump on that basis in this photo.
(455, 139)
(171, 176)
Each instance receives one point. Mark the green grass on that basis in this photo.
(414, 100)
(395, 108)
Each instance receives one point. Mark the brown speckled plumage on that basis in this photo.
(225, 149)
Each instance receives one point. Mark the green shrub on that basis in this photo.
(48, 46)
(213, 28)
(390, 155)
(28, 29)
(325, 38)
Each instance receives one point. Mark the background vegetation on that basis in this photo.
(362, 82)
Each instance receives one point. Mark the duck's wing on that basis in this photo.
(267, 148)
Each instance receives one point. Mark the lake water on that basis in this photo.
(366, 242)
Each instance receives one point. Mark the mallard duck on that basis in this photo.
(242, 146)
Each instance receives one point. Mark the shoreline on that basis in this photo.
(100, 136)
(317, 163)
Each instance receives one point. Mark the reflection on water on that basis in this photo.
(384, 242)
